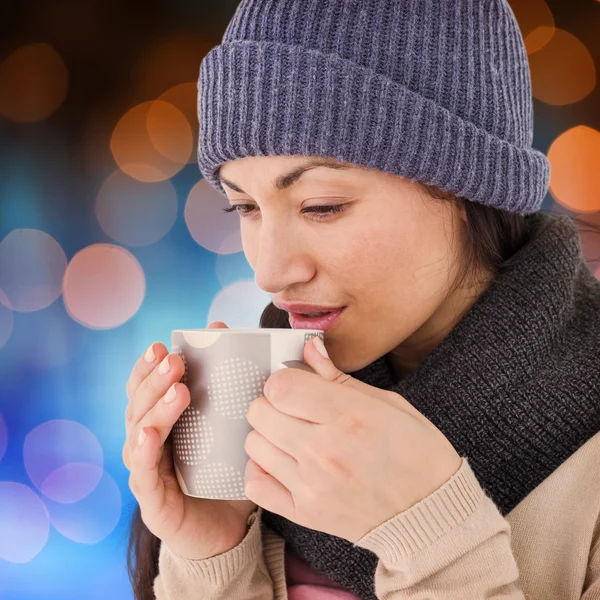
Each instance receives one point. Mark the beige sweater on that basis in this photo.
(452, 545)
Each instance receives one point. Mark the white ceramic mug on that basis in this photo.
(226, 369)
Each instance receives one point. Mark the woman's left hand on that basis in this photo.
(334, 454)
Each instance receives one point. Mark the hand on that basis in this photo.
(334, 454)
(195, 528)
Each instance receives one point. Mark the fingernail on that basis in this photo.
(171, 394)
(150, 356)
(163, 369)
(320, 346)
(141, 437)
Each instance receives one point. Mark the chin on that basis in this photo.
(348, 362)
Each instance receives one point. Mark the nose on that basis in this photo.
(282, 258)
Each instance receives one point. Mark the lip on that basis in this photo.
(299, 308)
(326, 323)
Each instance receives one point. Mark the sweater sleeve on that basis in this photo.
(592, 580)
(452, 545)
(238, 574)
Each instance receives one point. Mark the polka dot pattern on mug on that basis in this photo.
(218, 480)
(193, 436)
(233, 385)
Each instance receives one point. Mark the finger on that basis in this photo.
(140, 371)
(271, 459)
(145, 481)
(163, 415)
(126, 453)
(154, 387)
(143, 367)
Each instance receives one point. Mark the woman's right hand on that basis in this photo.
(194, 528)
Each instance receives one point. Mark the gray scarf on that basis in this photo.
(515, 386)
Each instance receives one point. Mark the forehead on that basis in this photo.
(279, 163)
(283, 171)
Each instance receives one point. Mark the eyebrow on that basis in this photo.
(288, 179)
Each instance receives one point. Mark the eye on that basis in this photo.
(321, 212)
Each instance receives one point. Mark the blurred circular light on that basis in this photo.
(6, 318)
(185, 98)
(91, 519)
(210, 227)
(71, 482)
(170, 132)
(563, 71)
(538, 38)
(136, 213)
(152, 141)
(32, 266)
(53, 445)
(239, 305)
(230, 268)
(531, 15)
(574, 173)
(104, 286)
(24, 523)
(34, 82)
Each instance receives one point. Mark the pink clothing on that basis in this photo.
(304, 583)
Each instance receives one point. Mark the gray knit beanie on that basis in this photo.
(437, 91)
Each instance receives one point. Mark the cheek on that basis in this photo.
(365, 250)
(372, 263)
(401, 271)
(419, 284)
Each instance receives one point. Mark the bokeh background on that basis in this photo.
(110, 238)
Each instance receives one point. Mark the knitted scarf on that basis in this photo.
(515, 386)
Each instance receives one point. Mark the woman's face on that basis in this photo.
(390, 255)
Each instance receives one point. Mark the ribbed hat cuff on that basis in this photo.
(261, 98)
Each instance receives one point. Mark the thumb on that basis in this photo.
(317, 358)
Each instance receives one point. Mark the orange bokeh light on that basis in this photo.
(563, 71)
(152, 141)
(34, 82)
(532, 15)
(574, 174)
(185, 97)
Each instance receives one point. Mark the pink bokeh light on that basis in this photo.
(104, 286)
(24, 523)
(50, 448)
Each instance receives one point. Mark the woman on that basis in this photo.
(461, 298)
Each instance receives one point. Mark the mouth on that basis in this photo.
(324, 321)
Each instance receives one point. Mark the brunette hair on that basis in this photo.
(492, 237)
